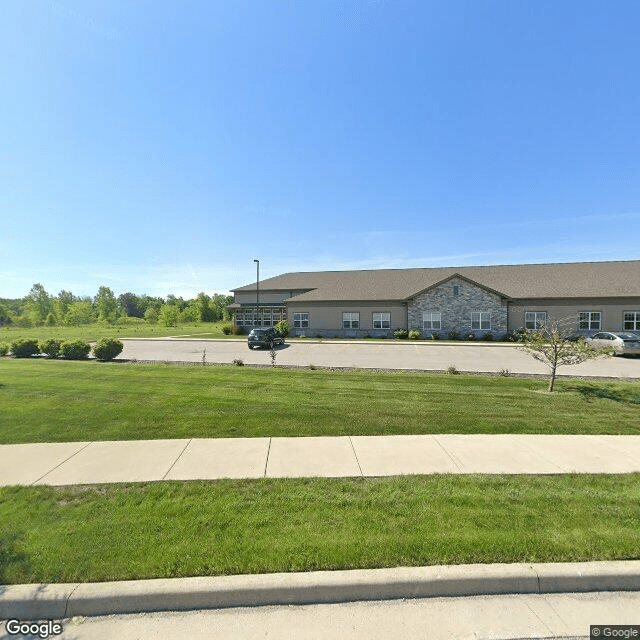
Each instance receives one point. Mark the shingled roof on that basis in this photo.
(557, 280)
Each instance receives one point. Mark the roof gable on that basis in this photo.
(460, 277)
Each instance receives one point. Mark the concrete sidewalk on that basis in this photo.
(344, 456)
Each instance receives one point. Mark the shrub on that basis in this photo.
(227, 329)
(487, 337)
(151, 315)
(414, 334)
(51, 320)
(238, 362)
(282, 328)
(401, 334)
(453, 335)
(4, 348)
(75, 349)
(107, 349)
(452, 371)
(24, 322)
(24, 348)
(470, 337)
(504, 373)
(169, 315)
(50, 347)
(516, 335)
(435, 336)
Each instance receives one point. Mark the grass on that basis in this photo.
(172, 529)
(60, 401)
(131, 329)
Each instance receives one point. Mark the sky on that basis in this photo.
(161, 146)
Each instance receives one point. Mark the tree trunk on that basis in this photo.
(552, 380)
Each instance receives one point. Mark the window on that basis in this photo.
(632, 320)
(300, 320)
(589, 320)
(432, 320)
(456, 289)
(381, 320)
(481, 320)
(534, 319)
(350, 320)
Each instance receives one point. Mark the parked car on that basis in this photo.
(620, 343)
(264, 338)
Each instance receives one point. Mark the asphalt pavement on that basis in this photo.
(405, 355)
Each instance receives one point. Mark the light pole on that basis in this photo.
(257, 291)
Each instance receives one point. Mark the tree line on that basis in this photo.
(39, 308)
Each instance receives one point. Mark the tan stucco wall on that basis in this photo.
(326, 318)
(612, 310)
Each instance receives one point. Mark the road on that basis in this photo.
(373, 355)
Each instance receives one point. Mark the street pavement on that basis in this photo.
(405, 355)
(565, 616)
(72, 463)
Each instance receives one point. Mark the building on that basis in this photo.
(590, 296)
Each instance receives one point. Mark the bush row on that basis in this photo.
(414, 334)
(105, 348)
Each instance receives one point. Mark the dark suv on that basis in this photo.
(264, 338)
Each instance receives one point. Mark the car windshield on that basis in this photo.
(258, 332)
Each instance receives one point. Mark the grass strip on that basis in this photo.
(130, 328)
(57, 401)
(174, 529)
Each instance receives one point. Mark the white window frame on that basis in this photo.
(432, 320)
(539, 318)
(592, 324)
(350, 319)
(483, 320)
(301, 320)
(381, 320)
(266, 318)
(635, 321)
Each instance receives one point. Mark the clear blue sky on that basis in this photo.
(160, 147)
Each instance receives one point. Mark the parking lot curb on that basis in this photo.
(58, 601)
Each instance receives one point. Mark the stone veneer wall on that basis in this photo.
(456, 310)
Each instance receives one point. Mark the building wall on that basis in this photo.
(612, 311)
(456, 309)
(325, 319)
(266, 297)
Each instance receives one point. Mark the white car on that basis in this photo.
(620, 343)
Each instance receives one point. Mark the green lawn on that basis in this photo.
(58, 401)
(172, 529)
(92, 332)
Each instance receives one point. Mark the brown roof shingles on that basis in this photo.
(558, 280)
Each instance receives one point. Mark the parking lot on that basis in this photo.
(371, 355)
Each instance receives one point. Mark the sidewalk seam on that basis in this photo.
(178, 458)
(266, 462)
(356, 456)
(59, 465)
(451, 457)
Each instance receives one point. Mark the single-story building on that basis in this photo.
(588, 296)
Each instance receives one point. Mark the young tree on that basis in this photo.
(39, 303)
(169, 315)
(550, 344)
(62, 303)
(106, 304)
